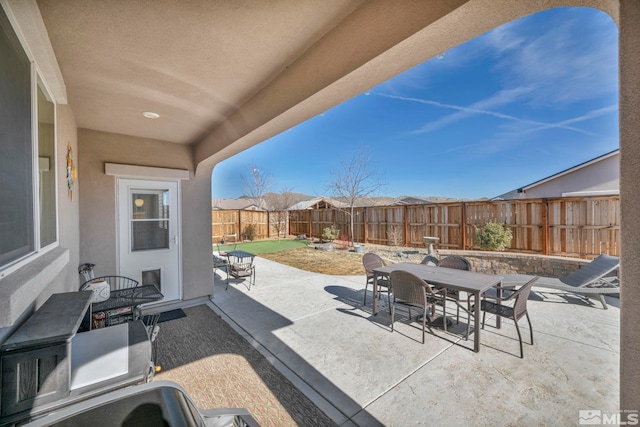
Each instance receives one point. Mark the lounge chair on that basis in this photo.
(589, 280)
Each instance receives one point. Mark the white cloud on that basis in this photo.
(569, 57)
(554, 60)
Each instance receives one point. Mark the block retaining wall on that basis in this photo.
(512, 263)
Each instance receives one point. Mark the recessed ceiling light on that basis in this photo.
(150, 115)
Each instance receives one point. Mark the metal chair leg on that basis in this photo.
(519, 338)
(365, 293)
(393, 314)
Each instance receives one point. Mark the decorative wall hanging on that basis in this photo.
(71, 172)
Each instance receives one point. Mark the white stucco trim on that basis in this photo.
(591, 193)
(133, 171)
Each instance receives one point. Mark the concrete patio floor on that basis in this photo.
(316, 331)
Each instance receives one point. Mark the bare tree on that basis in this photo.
(356, 179)
(279, 208)
(394, 234)
(256, 185)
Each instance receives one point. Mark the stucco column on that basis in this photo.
(630, 201)
(197, 263)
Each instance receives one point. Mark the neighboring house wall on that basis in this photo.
(602, 176)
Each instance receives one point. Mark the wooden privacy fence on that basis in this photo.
(226, 223)
(578, 226)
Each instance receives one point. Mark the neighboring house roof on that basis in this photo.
(412, 201)
(519, 192)
(318, 203)
(233, 204)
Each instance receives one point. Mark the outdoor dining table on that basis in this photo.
(240, 254)
(459, 280)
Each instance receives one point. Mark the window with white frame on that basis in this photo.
(46, 168)
(28, 220)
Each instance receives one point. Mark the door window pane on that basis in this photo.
(149, 220)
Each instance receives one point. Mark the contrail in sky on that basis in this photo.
(473, 109)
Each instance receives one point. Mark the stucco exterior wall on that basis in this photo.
(629, 54)
(197, 263)
(601, 176)
(68, 209)
(98, 228)
(24, 290)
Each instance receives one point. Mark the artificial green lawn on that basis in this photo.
(264, 246)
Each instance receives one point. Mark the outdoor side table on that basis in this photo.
(241, 266)
(122, 303)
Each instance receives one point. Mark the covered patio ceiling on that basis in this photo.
(226, 72)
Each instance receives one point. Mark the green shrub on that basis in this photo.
(250, 231)
(329, 234)
(493, 236)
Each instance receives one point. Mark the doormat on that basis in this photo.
(171, 315)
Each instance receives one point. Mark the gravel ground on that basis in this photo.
(393, 253)
(397, 254)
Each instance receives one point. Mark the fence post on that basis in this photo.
(405, 225)
(240, 226)
(309, 219)
(364, 224)
(463, 222)
(545, 227)
(269, 226)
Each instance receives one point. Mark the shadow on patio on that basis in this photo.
(314, 330)
(219, 369)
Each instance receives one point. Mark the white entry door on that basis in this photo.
(148, 234)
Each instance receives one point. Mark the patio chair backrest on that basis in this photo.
(456, 262)
(409, 288)
(115, 282)
(430, 260)
(589, 273)
(521, 296)
(227, 240)
(371, 261)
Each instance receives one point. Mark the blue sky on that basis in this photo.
(512, 106)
